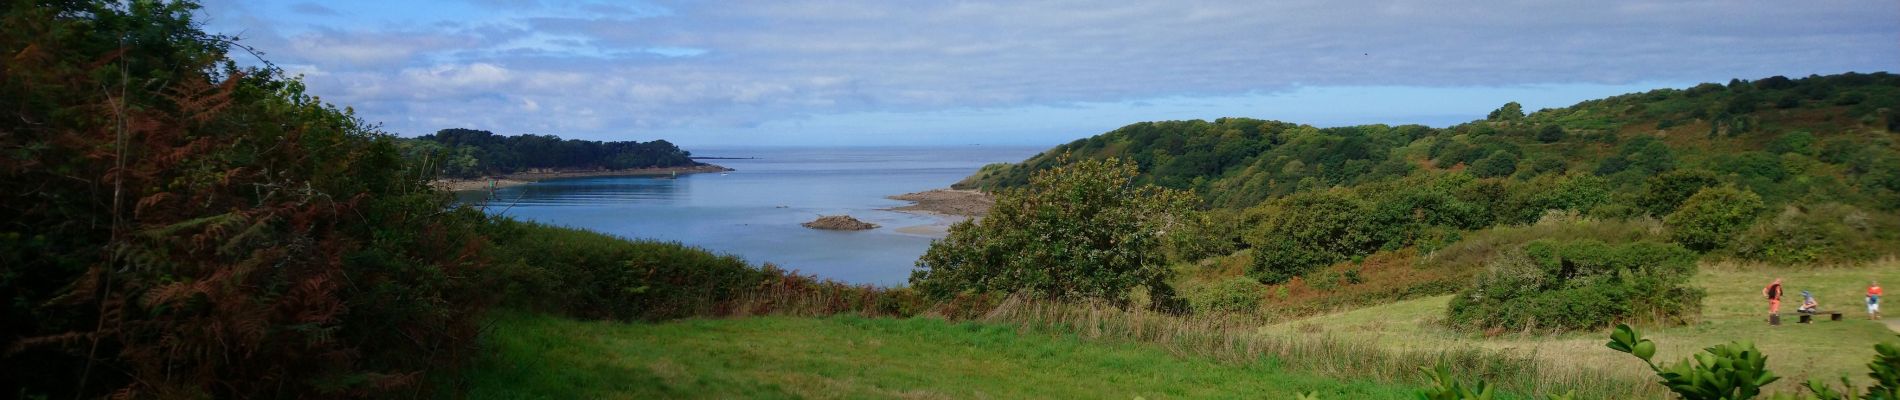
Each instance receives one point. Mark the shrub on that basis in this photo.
(1499, 163)
(1554, 133)
(1233, 295)
(1829, 232)
(1713, 217)
(1798, 142)
(180, 227)
(1078, 231)
(1576, 194)
(1580, 284)
(1664, 193)
(1730, 371)
(1548, 165)
(1308, 230)
(1509, 112)
(584, 274)
(1202, 235)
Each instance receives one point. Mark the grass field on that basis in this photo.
(540, 357)
(1733, 311)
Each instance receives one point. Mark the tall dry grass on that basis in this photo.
(1236, 339)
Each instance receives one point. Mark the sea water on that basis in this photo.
(754, 212)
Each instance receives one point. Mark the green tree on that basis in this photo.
(1665, 192)
(1308, 230)
(1550, 133)
(1509, 112)
(1713, 217)
(1798, 142)
(1077, 231)
(1499, 163)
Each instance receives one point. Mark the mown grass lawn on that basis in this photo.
(1733, 311)
(532, 356)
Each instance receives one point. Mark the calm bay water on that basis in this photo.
(754, 212)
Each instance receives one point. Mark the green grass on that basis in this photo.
(1733, 311)
(533, 356)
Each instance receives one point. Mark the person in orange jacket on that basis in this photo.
(1873, 300)
(1773, 291)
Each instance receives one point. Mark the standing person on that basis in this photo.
(1873, 300)
(1773, 291)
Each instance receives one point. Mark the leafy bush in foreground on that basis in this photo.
(174, 226)
(1579, 285)
(1737, 371)
(1079, 231)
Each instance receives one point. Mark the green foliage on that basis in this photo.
(468, 153)
(1509, 112)
(176, 226)
(1550, 134)
(1798, 142)
(1204, 234)
(1643, 154)
(1713, 217)
(1080, 231)
(1579, 194)
(1500, 163)
(1444, 386)
(1580, 284)
(1309, 230)
(1232, 295)
(1731, 371)
(1664, 193)
(590, 275)
(1823, 233)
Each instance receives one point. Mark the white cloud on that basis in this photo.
(602, 70)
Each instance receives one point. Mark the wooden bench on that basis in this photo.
(1808, 318)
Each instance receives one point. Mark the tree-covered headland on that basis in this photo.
(469, 153)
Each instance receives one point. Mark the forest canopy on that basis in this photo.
(469, 153)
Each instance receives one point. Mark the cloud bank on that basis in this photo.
(709, 71)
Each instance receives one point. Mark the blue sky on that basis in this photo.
(844, 72)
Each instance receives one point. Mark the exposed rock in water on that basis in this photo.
(839, 223)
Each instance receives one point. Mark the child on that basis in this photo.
(1873, 300)
(1808, 305)
(1773, 291)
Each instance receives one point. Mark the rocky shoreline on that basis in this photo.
(523, 178)
(949, 206)
(947, 202)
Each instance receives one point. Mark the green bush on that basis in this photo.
(585, 274)
(1580, 284)
(1713, 217)
(1499, 163)
(1731, 371)
(1552, 134)
(1309, 230)
(1830, 232)
(1079, 231)
(1201, 235)
(1233, 295)
(1798, 142)
(1664, 193)
(1534, 199)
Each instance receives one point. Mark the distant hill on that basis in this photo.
(1826, 138)
(469, 153)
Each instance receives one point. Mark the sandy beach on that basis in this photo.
(949, 206)
(523, 178)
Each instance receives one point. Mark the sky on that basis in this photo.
(845, 72)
